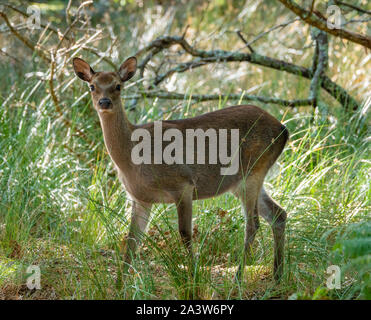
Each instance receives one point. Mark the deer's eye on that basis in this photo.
(118, 87)
(92, 88)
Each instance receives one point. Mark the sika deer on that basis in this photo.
(261, 140)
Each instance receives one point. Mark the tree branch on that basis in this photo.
(259, 36)
(319, 63)
(214, 56)
(209, 97)
(26, 15)
(247, 44)
(344, 4)
(25, 41)
(49, 26)
(321, 24)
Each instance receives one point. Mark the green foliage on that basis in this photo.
(353, 249)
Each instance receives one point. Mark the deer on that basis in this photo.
(261, 141)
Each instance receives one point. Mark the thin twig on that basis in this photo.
(8, 55)
(259, 36)
(248, 44)
(160, 94)
(25, 41)
(352, 7)
(21, 12)
(319, 63)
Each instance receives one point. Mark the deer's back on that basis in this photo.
(261, 139)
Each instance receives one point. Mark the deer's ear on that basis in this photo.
(82, 69)
(127, 69)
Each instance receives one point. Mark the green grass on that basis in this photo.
(62, 207)
(69, 216)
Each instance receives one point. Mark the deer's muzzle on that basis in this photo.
(105, 103)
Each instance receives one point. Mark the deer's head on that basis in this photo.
(105, 87)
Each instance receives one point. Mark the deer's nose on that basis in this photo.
(105, 103)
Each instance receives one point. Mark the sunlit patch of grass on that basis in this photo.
(8, 270)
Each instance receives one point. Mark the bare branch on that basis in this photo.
(99, 55)
(25, 41)
(3, 52)
(214, 56)
(209, 97)
(356, 21)
(56, 101)
(352, 7)
(320, 62)
(21, 12)
(320, 22)
(147, 59)
(179, 69)
(49, 26)
(282, 25)
(248, 44)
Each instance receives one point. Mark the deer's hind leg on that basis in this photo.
(276, 217)
(248, 193)
(184, 209)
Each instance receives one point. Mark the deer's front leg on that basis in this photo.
(139, 221)
(184, 208)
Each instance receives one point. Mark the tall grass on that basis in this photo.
(69, 216)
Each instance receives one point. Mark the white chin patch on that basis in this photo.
(102, 111)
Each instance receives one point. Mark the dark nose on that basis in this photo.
(105, 103)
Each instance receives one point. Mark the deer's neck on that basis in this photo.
(117, 131)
